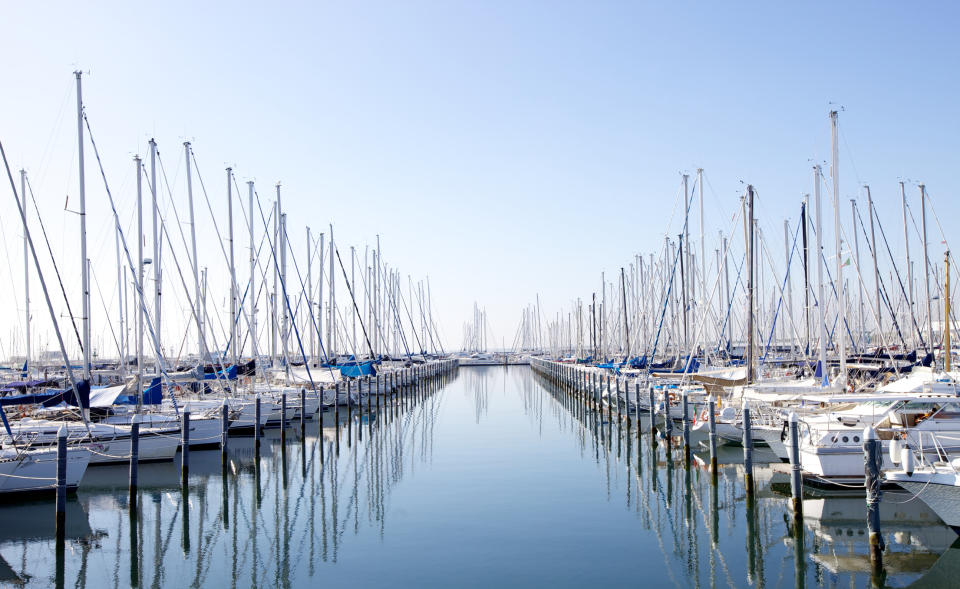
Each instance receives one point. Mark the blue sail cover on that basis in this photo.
(351, 369)
(229, 374)
(52, 397)
(152, 395)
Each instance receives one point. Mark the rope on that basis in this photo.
(20, 476)
(915, 496)
(113, 456)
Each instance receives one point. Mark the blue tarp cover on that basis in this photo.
(358, 369)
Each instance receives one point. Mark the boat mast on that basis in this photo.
(275, 271)
(85, 271)
(626, 325)
(926, 263)
(234, 342)
(156, 249)
(282, 296)
(841, 302)
(749, 351)
(805, 225)
(946, 313)
(310, 294)
(703, 261)
(26, 275)
(726, 289)
(332, 323)
(193, 244)
(353, 285)
(251, 291)
(824, 379)
(906, 245)
(686, 278)
(139, 290)
(376, 304)
(320, 298)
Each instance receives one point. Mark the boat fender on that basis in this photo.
(783, 432)
(906, 457)
(895, 451)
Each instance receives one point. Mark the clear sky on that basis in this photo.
(504, 148)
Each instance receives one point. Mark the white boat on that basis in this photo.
(106, 443)
(938, 486)
(936, 483)
(205, 423)
(36, 469)
(831, 448)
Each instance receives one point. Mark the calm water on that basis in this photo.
(494, 478)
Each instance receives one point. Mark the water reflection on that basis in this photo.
(695, 522)
(496, 477)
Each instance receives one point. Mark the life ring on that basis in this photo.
(704, 415)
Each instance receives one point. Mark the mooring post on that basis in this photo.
(185, 445)
(873, 458)
(796, 482)
(360, 381)
(61, 482)
(653, 411)
(619, 413)
(712, 422)
(303, 411)
(685, 407)
(626, 404)
(283, 416)
(256, 428)
(336, 408)
(747, 449)
(667, 420)
(224, 429)
(134, 458)
(593, 391)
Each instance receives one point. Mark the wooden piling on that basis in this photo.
(256, 428)
(685, 407)
(796, 482)
(653, 412)
(224, 429)
(61, 482)
(873, 459)
(303, 410)
(283, 416)
(134, 459)
(747, 450)
(185, 445)
(712, 422)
